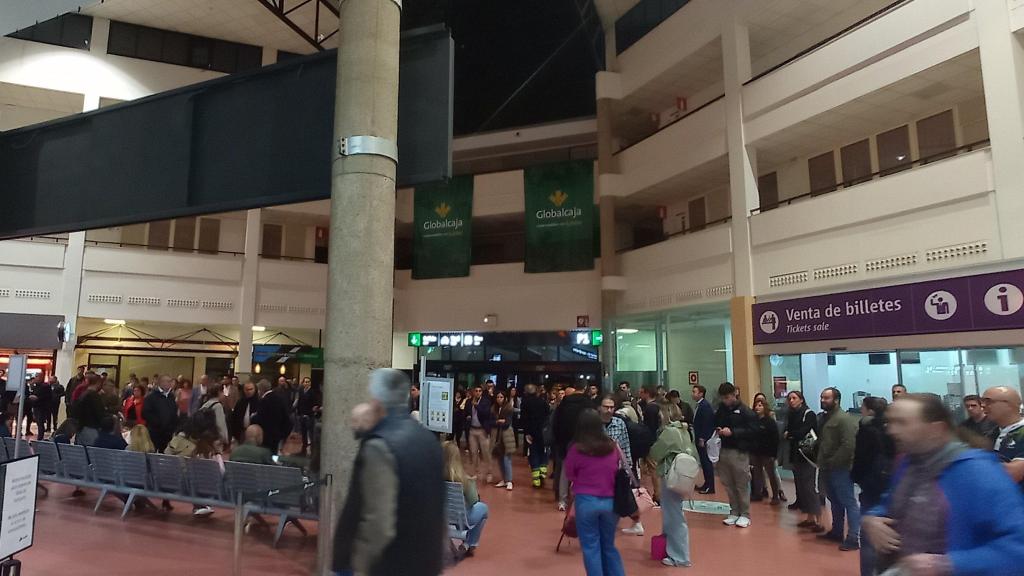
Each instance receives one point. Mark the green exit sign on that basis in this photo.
(415, 339)
(596, 337)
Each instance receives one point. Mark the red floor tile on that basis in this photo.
(520, 538)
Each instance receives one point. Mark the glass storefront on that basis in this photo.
(666, 347)
(952, 374)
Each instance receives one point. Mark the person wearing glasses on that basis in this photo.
(1002, 406)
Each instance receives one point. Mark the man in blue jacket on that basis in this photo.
(704, 428)
(951, 510)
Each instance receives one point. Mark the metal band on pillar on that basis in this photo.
(372, 145)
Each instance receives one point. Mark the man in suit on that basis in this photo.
(308, 411)
(272, 417)
(704, 428)
(160, 411)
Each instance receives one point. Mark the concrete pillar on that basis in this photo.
(71, 299)
(746, 368)
(249, 292)
(744, 198)
(360, 289)
(1002, 66)
(607, 167)
(742, 162)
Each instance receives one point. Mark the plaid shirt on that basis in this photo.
(616, 430)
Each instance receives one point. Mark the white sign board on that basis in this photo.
(16, 372)
(18, 505)
(437, 404)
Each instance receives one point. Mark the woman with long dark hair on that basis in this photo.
(591, 464)
(763, 458)
(801, 421)
(504, 440)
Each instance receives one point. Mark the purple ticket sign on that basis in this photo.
(984, 302)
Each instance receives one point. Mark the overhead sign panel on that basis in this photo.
(244, 141)
(18, 14)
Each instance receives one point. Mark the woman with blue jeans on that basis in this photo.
(476, 510)
(504, 437)
(591, 464)
(673, 440)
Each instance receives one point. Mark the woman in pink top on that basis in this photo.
(590, 465)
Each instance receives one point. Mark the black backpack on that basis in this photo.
(640, 438)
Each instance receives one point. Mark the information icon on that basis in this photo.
(1004, 299)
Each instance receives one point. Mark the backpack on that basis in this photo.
(640, 438)
(682, 477)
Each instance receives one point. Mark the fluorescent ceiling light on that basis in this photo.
(259, 328)
(719, 350)
(114, 322)
(627, 330)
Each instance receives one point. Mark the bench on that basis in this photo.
(458, 518)
(196, 481)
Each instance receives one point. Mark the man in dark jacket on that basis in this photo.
(564, 429)
(533, 418)
(393, 521)
(704, 429)
(650, 417)
(88, 411)
(835, 460)
(160, 412)
(872, 469)
(478, 414)
(978, 423)
(736, 427)
(308, 411)
(272, 417)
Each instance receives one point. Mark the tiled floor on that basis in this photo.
(520, 538)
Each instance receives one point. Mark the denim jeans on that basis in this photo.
(839, 489)
(506, 468)
(477, 517)
(868, 555)
(675, 528)
(596, 524)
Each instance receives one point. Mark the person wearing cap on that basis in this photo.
(393, 521)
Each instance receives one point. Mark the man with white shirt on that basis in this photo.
(1002, 406)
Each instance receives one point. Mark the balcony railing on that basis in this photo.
(879, 174)
(682, 232)
(670, 124)
(819, 45)
(111, 244)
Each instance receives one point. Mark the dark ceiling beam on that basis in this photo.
(277, 9)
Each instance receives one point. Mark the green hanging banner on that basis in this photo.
(443, 218)
(560, 217)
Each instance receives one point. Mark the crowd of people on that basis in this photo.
(860, 463)
(914, 492)
(214, 419)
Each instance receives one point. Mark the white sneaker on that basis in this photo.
(202, 511)
(743, 522)
(499, 485)
(562, 506)
(674, 564)
(731, 520)
(634, 530)
(508, 486)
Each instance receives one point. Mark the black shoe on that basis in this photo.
(707, 491)
(849, 546)
(830, 536)
(793, 506)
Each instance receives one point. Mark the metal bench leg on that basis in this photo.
(99, 501)
(295, 522)
(280, 529)
(128, 505)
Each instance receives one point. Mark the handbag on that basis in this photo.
(624, 502)
(659, 548)
(644, 501)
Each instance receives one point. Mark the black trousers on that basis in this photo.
(707, 467)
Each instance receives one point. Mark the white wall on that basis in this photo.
(522, 302)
